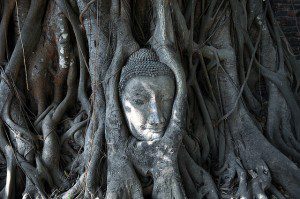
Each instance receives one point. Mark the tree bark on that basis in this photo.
(234, 130)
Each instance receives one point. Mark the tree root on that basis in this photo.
(82, 137)
(198, 183)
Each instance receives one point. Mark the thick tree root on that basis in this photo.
(60, 67)
(198, 183)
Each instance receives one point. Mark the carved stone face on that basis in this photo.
(147, 103)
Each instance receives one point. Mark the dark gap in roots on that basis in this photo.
(89, 90)
(11, 39)
(147, 185)
(201, 80)
(2, 171)
(261, 94)
(20, 183)
(142, 16)
(47, 187)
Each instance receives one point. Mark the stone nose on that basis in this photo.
(156, 118)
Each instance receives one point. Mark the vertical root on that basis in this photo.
(10, 173)
(8, 9)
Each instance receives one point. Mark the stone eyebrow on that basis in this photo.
(138, 89)
(138, 92)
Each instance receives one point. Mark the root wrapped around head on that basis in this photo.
(233, 128)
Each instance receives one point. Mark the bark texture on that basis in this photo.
(234, 130)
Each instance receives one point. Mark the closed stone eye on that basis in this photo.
(138, 101)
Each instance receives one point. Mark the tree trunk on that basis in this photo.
(234, 129)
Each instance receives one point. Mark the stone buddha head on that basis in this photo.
(147, 91)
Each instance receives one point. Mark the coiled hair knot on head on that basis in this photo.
(143, 62)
